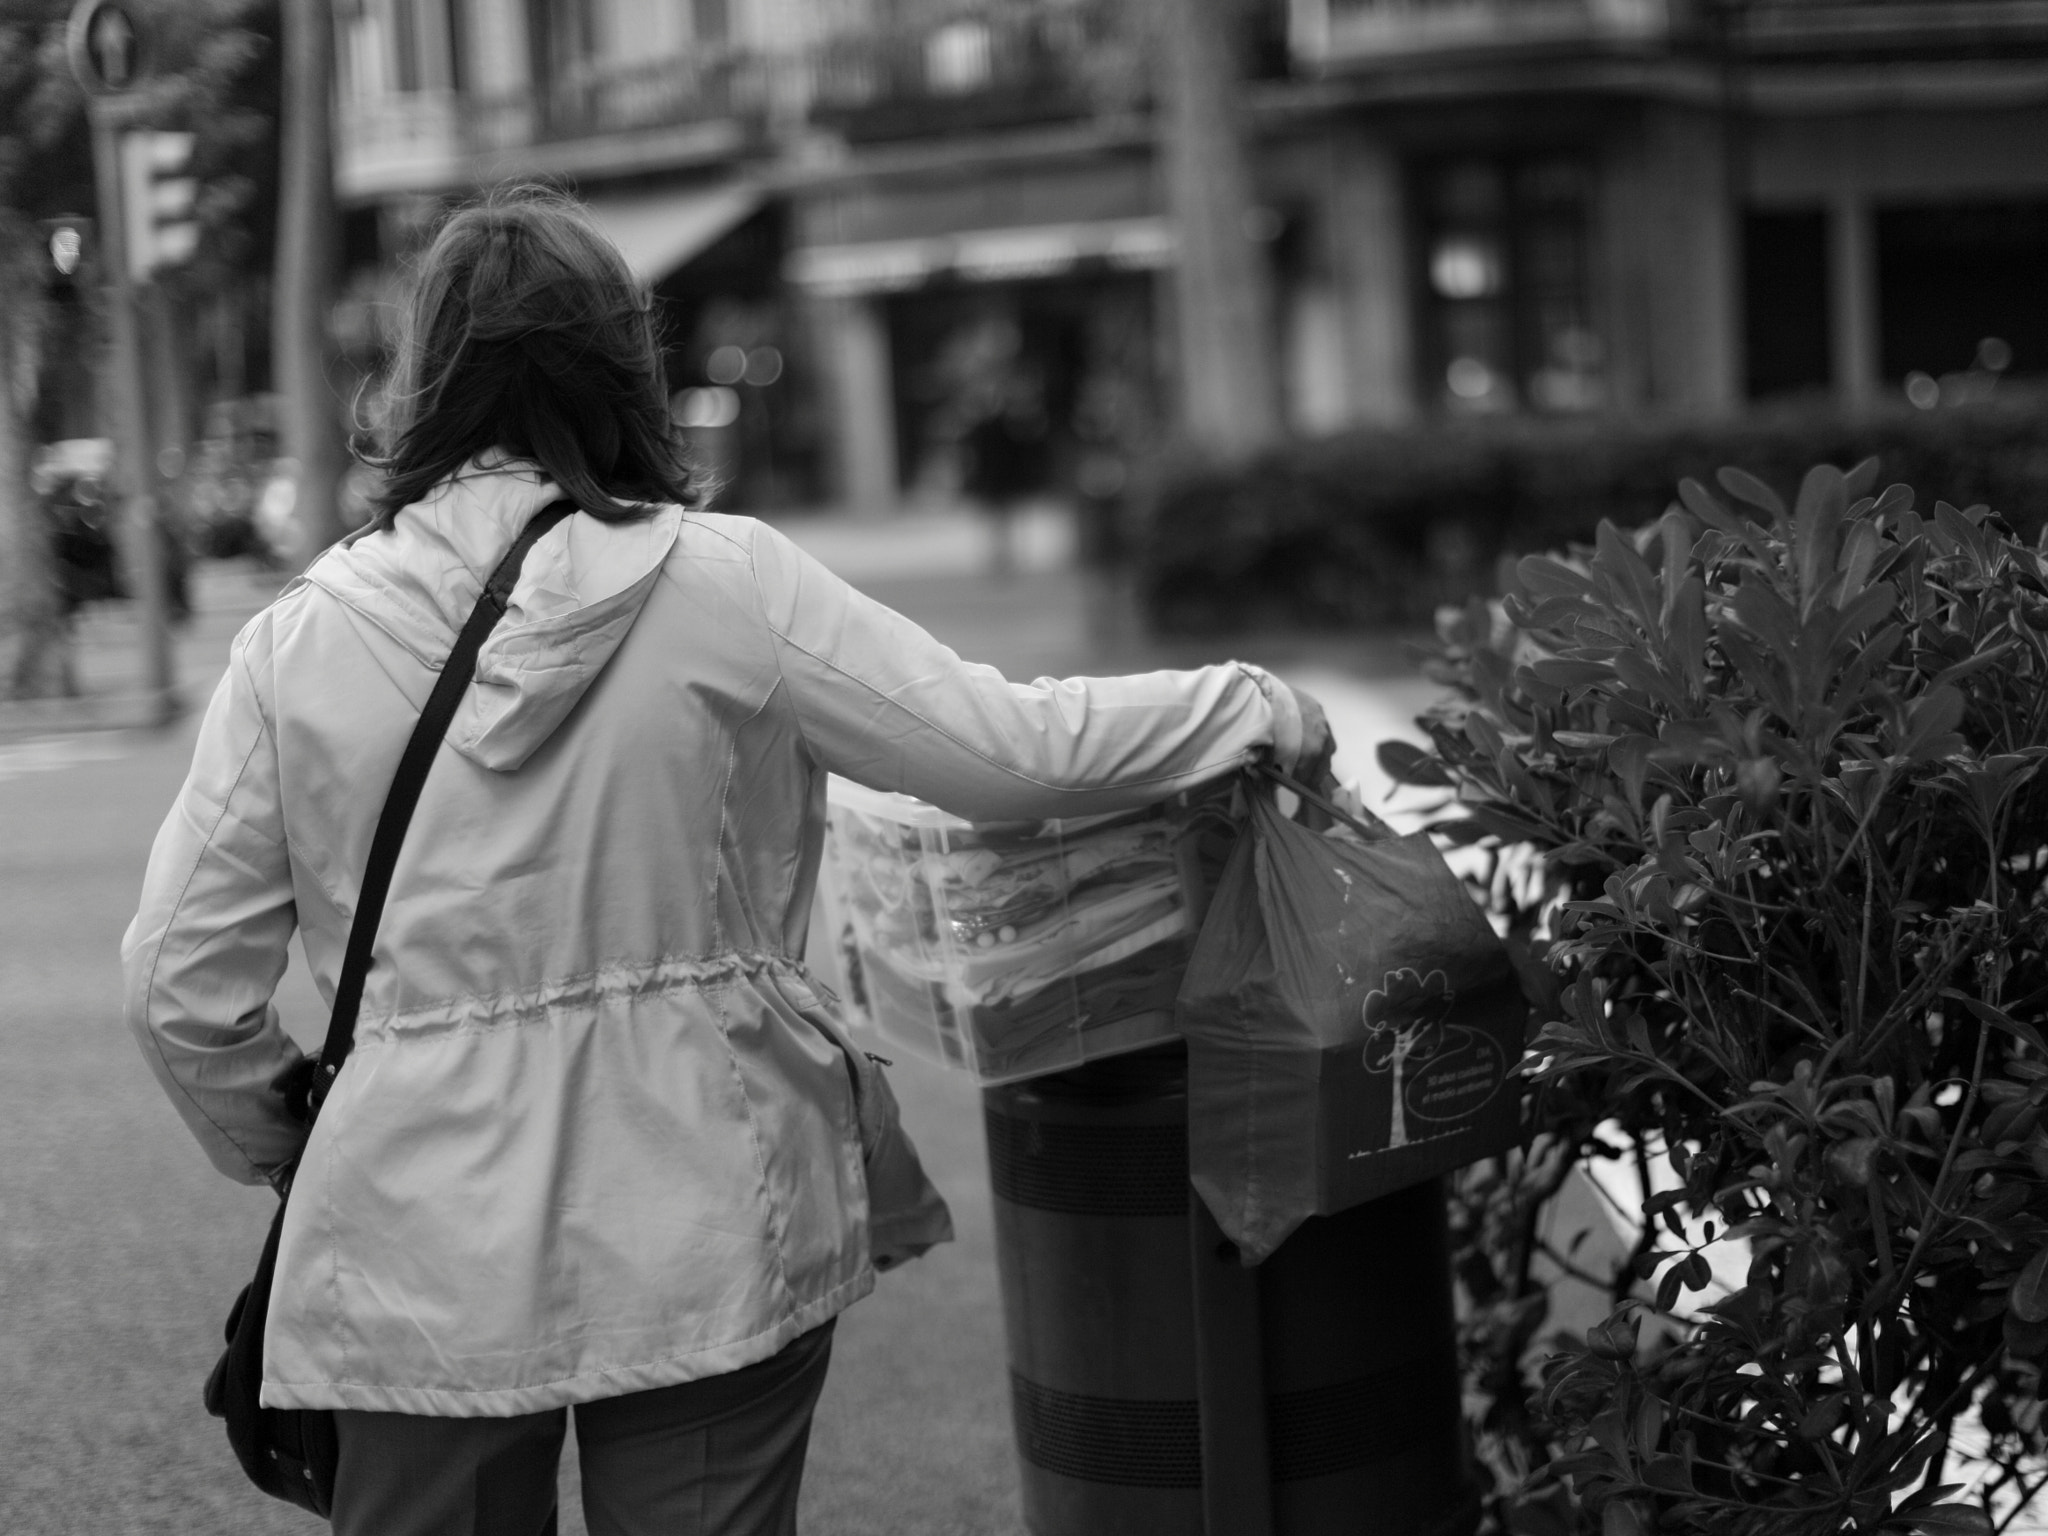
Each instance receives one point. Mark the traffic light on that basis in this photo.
(158, 193)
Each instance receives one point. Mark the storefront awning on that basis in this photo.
(982, 255)
(661, 230)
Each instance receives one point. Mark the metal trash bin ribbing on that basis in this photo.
(1090, 1176)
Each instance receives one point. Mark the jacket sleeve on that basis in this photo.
(208, 944)
(883, 703)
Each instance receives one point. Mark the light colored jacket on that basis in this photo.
(597, 1133)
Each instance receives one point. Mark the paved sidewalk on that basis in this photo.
(931, 541)
(109, 661)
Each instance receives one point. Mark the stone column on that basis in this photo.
(854, 334)
(1852, 299)
(1676, 254)
(1229, 384)
(1318, 386)
(1366, 239)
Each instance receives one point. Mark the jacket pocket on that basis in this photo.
(906, 1213)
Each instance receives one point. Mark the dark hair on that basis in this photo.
(527, 333)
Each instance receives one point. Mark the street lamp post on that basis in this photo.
(109, 53)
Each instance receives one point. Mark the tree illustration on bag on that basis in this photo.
(1404, 1026)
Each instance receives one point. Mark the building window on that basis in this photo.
(362, 56)
(1961, 292)
(1785, 302)
(561, 38)
(1507, 311)
(401, 46)
(456, 27)
(407, 46)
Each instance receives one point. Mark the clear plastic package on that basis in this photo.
(1015, 948)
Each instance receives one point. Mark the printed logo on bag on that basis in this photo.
(1439, 1072)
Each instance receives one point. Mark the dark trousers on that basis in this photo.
(719, 1457)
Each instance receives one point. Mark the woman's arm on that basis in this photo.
(207, 946)
(885, 704)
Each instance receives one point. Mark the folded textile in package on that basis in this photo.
(1008, 949)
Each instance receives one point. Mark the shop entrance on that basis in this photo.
(1960, 288)
(1006, 391)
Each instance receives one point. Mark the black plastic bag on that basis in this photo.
(1353, 1024)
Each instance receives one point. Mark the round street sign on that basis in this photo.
(109, 50)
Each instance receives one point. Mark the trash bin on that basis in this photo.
(1092, 1211)
(1090, 1174)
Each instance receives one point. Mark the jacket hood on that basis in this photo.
(578, 594)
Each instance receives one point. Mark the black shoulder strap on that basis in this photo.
(411, 777)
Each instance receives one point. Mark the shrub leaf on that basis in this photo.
(1945, 1520)
(1406, 763)
(2029, 1295)
(1745, 487)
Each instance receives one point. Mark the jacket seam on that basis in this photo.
(303, 860)
(744, 960)
(796, 715)
(269, 728)
(699, 520)
(796, 857)
(681, 1354)
(156, 960)
(1196, 772)
(781, 677)
(732, 754)
(777, 1218)
(432, 661)
(753, 570)
(425, 617)
(514, 668)
(334, 1251)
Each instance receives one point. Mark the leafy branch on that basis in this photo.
(1782, 768)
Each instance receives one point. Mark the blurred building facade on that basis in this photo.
(878, 223)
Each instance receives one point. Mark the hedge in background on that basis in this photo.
(1380, 527)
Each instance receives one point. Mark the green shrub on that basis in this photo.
(1377, 527)
(1781, 774)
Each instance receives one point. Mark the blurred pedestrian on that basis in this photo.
(597, 1147)
(1105, 429)
(70, 480)
(1008, 451)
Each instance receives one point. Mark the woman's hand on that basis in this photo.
(1318, 747)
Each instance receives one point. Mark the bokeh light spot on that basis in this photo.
(727, 365)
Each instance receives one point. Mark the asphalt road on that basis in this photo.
(120, 1248)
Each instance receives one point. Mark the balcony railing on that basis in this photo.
(423, 141)
(1324, 32)
(955, 69)
(708, 85)
(1003, 63)
(1923, 29)
(408, 142)
(985, 66)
